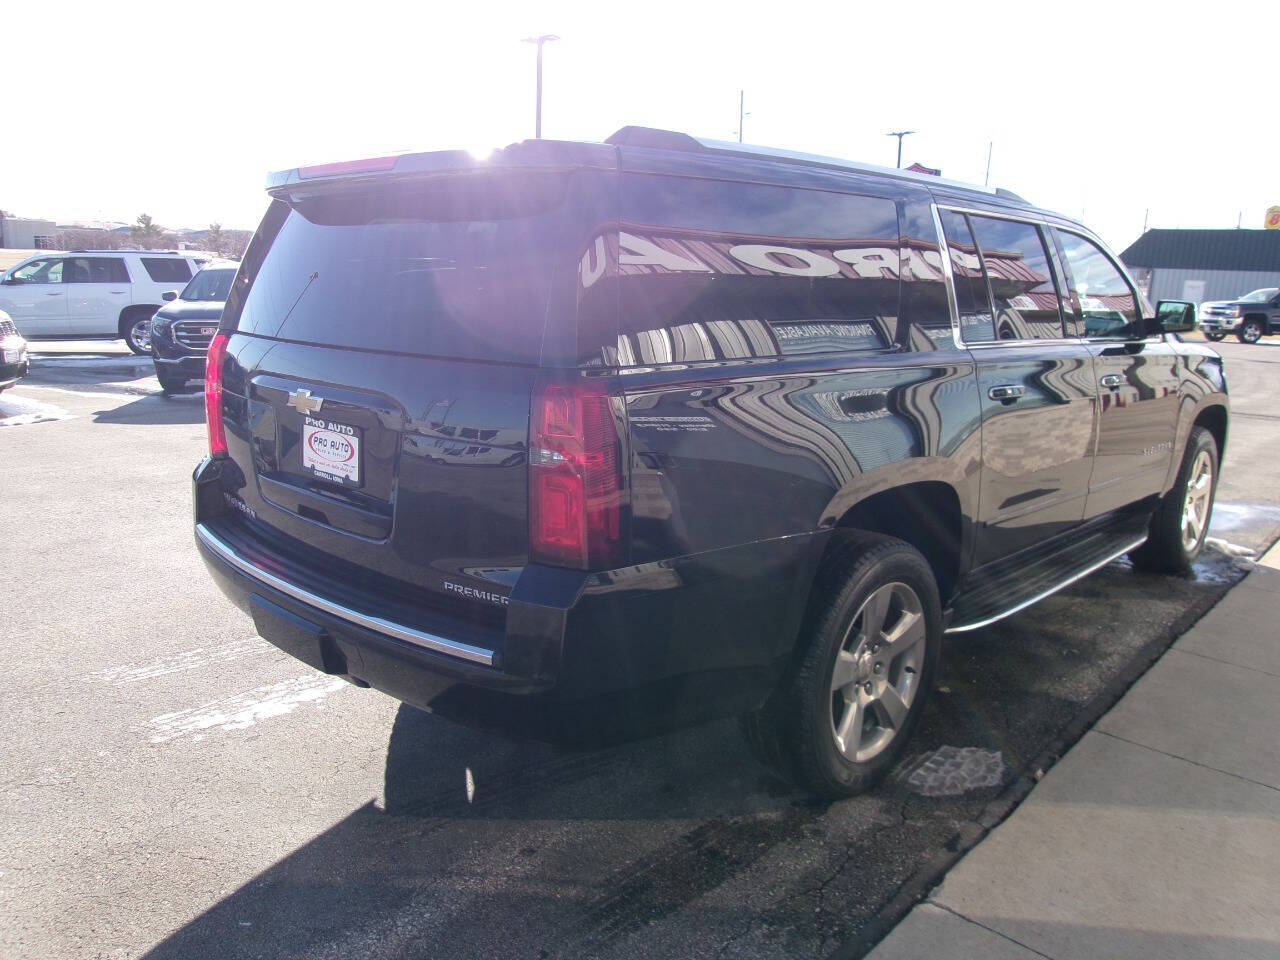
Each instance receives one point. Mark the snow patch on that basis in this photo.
(182, 662)
(16, 411)
(244, 709)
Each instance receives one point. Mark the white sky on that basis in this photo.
(1097, 110)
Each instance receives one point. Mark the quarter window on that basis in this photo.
(713, 270)
(167, 269)
(1107, 302)
(1023, 293)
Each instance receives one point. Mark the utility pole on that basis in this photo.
(986, 181)
(1146, 216)
(899, 134)
(545, 38)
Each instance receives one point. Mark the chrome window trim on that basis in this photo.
(948, 275)
(419, 638)
(1016, 218)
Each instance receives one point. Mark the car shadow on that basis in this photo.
(157, 408)
(676, 845)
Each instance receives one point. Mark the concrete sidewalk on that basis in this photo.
(1157, 835)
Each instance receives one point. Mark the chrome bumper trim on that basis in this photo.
(418, 638)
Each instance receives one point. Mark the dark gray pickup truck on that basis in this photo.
(1252, 317)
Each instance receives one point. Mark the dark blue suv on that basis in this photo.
(609, 437)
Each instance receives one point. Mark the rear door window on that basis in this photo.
(459, 267)
(167, 269)
(1023, 293)
(973, 301)
(95, 270)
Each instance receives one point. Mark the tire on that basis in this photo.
(135, 329)
(1250, 331)
(1214, 337)
(1175, 537)
(837, 739)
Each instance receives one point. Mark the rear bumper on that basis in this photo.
(582, 657)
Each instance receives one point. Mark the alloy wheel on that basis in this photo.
(1196, 506)
(1252, 332)
(140, 335)
(877, 672)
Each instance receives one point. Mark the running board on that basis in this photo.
(1003, 596)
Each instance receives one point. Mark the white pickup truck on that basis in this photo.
(94, 294)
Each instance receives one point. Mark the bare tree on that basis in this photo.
(87, 238)
(236, 241)
(214, 239)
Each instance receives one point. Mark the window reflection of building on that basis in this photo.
(687, 296)
(890, 417)
(437, 439)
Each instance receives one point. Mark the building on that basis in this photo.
(26, 234)
(1200, 265)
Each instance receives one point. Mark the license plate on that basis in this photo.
(208, 331)
(13, 356)
(331, 450)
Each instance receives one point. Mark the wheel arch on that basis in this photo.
(1212, 413)
(132, 310)
(930, 514)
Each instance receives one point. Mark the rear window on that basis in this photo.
(167, 269)
(459, 267)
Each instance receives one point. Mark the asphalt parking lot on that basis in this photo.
(176, 787)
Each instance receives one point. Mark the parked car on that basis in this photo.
(13, 353)
(93, 294)
(182, 328)
(1250, 318)
(763, 428)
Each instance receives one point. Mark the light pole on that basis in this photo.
(899, 134)
(546, 37)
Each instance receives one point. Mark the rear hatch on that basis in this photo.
(388, 336)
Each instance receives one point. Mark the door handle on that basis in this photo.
(1111, 381)
(1006, 393)
(53, 294)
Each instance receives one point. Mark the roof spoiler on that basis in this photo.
(526, 154)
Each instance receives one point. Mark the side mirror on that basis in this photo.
(1175, 316)
(169, 295)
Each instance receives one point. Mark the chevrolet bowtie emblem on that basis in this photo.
(303, 402)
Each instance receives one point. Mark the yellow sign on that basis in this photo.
(1273, 218)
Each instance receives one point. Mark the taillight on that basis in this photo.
(213, 395)
(575, 479)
